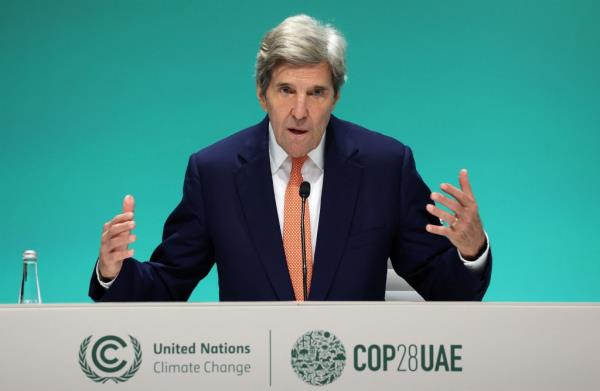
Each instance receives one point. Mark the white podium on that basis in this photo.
(288, 346)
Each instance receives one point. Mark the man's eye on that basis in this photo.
(286, 90)
(318, 92)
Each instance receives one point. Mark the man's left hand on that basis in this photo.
(464, 228)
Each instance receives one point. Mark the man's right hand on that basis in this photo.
(116, 236)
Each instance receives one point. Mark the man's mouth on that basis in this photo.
(297, 131)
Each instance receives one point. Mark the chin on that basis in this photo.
(296, 150)
(295, 154)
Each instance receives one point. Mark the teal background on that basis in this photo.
(103, 98)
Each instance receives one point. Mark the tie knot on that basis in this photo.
(296, 173)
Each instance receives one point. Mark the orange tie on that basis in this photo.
(292, 243)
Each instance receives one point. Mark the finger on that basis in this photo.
(439, 230)
(460, 196)
(121, 242)
(120, 239)
(107, 238)
(116, 229)
(117, 219)
(465, 184)
(128, 204)
(120, 255)
(120, 218)
(441, 214)
(447, 202)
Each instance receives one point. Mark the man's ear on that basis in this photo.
(335, 100)
(262, 99)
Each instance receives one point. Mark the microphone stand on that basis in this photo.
(304, 193)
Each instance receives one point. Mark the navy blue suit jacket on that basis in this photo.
(372, 208)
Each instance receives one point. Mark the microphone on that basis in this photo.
(304, 190)
(304, 193)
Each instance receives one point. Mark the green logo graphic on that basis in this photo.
(105, 362)
(318, 357)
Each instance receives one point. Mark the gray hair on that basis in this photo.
(301, 40)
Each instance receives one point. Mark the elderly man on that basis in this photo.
(242, 210)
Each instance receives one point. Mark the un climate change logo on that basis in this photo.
(318, 357)
(113, 368)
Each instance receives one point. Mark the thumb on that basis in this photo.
(128, 204)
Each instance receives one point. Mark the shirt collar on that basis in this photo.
(278, 156)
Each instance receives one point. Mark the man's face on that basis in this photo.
(299, 101)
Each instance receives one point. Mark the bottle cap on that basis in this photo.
(30, 255)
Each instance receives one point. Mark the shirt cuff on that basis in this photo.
(478, 265)
(103, 284)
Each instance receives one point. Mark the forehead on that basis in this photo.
(303, 75)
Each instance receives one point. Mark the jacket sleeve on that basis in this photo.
(429, 262)
(184, 257)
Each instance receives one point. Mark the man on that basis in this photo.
(241, 208)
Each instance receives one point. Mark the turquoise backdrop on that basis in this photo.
(103, 98)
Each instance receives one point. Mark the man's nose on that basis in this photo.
(300, 110)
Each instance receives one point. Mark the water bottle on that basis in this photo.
(30, 286)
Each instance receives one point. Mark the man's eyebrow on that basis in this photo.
(315, 87)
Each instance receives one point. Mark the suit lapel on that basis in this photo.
(255, 190)
(340, 190)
